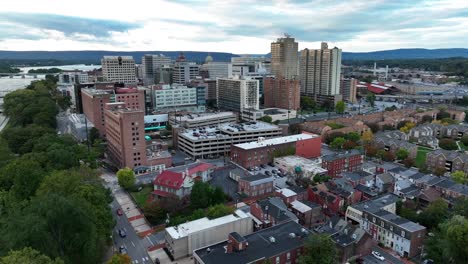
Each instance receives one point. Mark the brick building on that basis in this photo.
(279, 244)
(282, 93)
(340, 162)
(450, 160)
(256, 185)
(269, 212)
(264, 151)
(95, 100)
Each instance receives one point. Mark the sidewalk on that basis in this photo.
(134, 215)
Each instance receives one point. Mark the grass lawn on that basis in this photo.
(421, 156)
(142, 196)
(463, 146)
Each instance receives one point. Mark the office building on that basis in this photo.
(182, 240)
(164, 75)
(73, 77)
(283, 243)
(246, 65)
(151, 63)
(349, 90)
(119, 69)
(184, 71)
(284, 57)
(263, 151)
(237, 94)
(212, 90)
(282, 93)
(170, 98)
(94, 102)
(216, 141)
(320, 72)
(203, 119)
(217, 69)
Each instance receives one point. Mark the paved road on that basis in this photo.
(370, 259)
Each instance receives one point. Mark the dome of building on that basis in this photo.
(208, 59)
(181, 57)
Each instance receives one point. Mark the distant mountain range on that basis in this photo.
(94, 57)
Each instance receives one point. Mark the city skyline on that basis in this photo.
(355, 26)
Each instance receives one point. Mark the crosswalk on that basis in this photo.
(143, 260)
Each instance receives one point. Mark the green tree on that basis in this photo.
(338, 143)
(371, 99)
(461, 206)
(434, 214)
(448, 144)
(94, 135)
(442, 114)
(120, 259)
(319, 249)
(28, 255)
(307, 103)
(402, 154)
(219, 210)
(353, 136)
(200, 195)
(459, 177)
(464, 140)
(126, 178)
(267, 119)
(408, 162)
(340, 107)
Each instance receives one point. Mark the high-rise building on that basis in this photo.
(168, 98)
(151, 63)
(184, 71)
(282, 93)
(217, 69)
(119, 69)
(237, 94)
(320, 72)
(284, 57)
(349, 89)
(246, 64)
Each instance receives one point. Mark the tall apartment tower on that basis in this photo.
(151, 63)
(320, 72)
(125, 130)
(184, 71)
(284, 58)
(119, 69)
(282, 93)
(237, 94)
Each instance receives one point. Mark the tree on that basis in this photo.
(464, 140)
(126, 178)
(434, 214)
(459, 177)
(337, 143)
(408, 162)
(439, 171)
(427, 119)
(371, 99)
(94, 135)
(374, 127)
(319, 249)
(120, 259)
(388, 156)
(353, 136)
(28, 255)
(349, 145)
(307, 103)
(267, 119)
(448, 245)
(370, 150)
(448, 144)
(442, 114)
(218, 210)
(340, 107)
(402, 154)
(367, 136)
(200, 195)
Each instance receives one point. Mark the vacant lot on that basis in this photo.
(421, 156)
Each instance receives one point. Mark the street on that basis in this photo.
(370, 259)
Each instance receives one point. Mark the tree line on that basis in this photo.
(53, 206)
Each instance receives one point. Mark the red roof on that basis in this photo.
(169, 179)
(374, 89)
(200, 167)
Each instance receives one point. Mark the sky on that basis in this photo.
(237, 26)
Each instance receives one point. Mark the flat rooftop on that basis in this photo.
(312, 165)
(183, 230)
(275, 141)
(247, 126)
(91, 91)
(203, 116)
(224, 130)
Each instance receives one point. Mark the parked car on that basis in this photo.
(119, 211)
(263, 166)
(274, 171)
(122, 249)
(267, 173)
(122, 233)
(378, 256)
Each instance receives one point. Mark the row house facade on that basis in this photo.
(342, 162)
(450, 160)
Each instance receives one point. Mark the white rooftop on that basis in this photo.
(203, 116)
(286, 192)
(247, 126)
(310, 165)
(186, 229)
(275, 141)
(301, 207)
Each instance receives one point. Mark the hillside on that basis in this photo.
(406, 54)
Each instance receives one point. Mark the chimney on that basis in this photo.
(239, 243)
(229, 247)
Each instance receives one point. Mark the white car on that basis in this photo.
(377, 255)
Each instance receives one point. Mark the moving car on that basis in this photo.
(122, 233)
(119, 211)
(378, 256)
(122, 249)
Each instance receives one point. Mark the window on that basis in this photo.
(402, 233)
(288, 256)
(277, 260)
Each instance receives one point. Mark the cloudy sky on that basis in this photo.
(238, 26)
